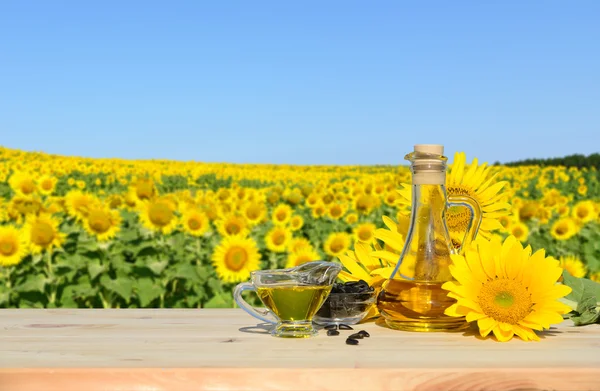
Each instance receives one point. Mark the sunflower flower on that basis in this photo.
(573, 265)
(506, 289)
(42, 233)
(234, 258)
(102, 222)
(13, 246)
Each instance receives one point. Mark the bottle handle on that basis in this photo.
(237, 296)
(476, 217)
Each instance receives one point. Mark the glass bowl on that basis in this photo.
(345, 308)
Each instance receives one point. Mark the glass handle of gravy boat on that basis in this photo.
(257, 313)
(475, 221)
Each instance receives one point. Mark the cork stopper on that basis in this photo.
(434, 149)
(429, 170)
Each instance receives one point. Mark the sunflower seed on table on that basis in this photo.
(351, 341)
(345, 327)
(364, 333)
(356, 336)
(332, 332)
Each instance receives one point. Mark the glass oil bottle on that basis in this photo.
(412, 299)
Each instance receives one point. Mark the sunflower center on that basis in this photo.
(236, 258)
(278, 238)
(336, 211)
(582, 213)
(7, 248)
(505, 300)
(337, 245)
(562, 229)
(46, 184)
(233, 228)
(42, 234)
(27, 186)
(99, 221)
(160, 214)
(518, 232)
(281, 215)
(364, 234)
(194, 224)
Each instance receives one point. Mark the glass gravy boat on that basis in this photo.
(291, 296)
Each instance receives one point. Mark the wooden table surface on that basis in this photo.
(227, 349)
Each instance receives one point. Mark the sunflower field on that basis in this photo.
(109, 233)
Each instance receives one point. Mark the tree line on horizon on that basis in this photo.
(575, 160)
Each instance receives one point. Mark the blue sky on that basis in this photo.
(300, 82)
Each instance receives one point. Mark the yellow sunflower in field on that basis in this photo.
(143, 189)
(520, 231)
(336, 210)
(337, 243)
(584, 212)
(278, 239)
(296, 222)
(47, 184)
(296, 244)
(318, 210)
(42, 233)
(477, 182)
(234, 258)
(506, 290)
(281, 214)
(351, 218)
(365, 232)
(231, 225)
(365, 203)
(115, 201)
(254, 212)
(102, 222)
(195, 222)
(302, 256)
(13, 246)
(22, 183)
(158, 215)
(573, 265)
(77, 203)
(564, 228)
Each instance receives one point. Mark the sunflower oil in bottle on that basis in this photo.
(412, 298)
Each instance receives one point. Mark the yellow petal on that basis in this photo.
(384, 272)
(486, 325)
(473, 316)
(353, 267)
(503, 333)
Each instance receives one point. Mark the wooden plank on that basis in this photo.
(153, 348)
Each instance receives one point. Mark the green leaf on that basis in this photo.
(157, 266)
(148, 250)
(184, 271)
(33, 283)
(147, 291)
(67, 298)
(219, 301)
(587, 311)
(578, 285)
(129, 235)
(121, 285)
(4, 296)
(215, 285)
(586, 293)
(95, 268)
